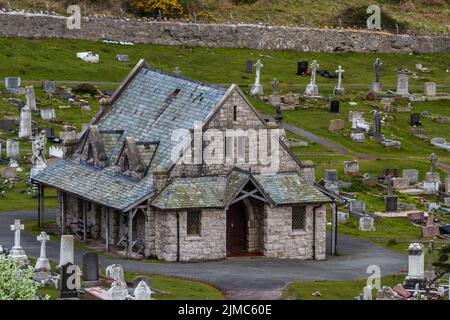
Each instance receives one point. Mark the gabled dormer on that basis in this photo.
(93, 150)
(135, 158)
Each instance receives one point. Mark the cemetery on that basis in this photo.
(97, 202)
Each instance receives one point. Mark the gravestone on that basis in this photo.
(342, 217)
(430, 89)
(331, 175)
(49, 85)
(122, 58)
(412, 175)
(377, 126)
(66, 253)
(12, 149)
(142, 291)
(376, 84)
(69, 281)
(115, 272)
(416, 267)
(366, 224)
(12, 83)
(42, 263)
(400, 183)
(67, 135)
(7, 124)
(48, 114)
(116, 292)
(249, 66)
(312, 90)
(390, 203)
(91, 275)
(334, 106)
(337, 125)
(138, 279)
(367, 293)
(8, 173)
(30, 97)
(177, 71)
(17, 253)
(339, 89)
(257, 88)
(402, 84)
(358, 137)
(25, 123)
(357, 206)
(302, 67)
(49, 132)
(351, 167)
(414, 119)
(447, 201)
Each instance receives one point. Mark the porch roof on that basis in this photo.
(217, 192)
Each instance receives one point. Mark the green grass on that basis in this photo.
(335, 290)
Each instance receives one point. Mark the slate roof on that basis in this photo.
(149, 107)
(217, 192)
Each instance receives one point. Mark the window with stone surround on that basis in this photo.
(193, 222)
(235, 113)
(298, 218)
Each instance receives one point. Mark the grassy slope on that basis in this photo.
(282, 12)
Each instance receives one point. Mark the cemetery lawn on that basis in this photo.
(335, 290)
(36, 60)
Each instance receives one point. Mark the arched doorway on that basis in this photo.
(236, 229)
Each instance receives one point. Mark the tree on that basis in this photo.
(442, 265)
(16, 282)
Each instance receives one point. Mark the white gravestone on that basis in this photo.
(351, 167)
(17, 252)
(66, 253)
(115, 272)
(402, 84)
(48, 114)
(430, 89)
(25, 123)
(416, 265)
(142, 291)
(412, 175)
(30, 97)
(311, 89)
(339, 89)
(367, 293)
(12, 149)
(366, 224)
(42, 264)
(116, 292)
(257, 88)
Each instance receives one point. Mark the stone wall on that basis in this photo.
(280, 241)
(37, 26)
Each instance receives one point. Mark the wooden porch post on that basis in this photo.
(84, 221)
(63, 212)
(131, 215)
(107, 229)
(333, 228)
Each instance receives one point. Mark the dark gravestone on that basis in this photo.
(414, 119)
(390, 203)
(249, 66)
(69, 282)
(49, 132)
(49, 85)
(334, 106)
(90, 267)
(7, 124)
(391, 173)
(302, 67)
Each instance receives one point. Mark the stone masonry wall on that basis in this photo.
(38, 26)
(211, 244)
(280, 241)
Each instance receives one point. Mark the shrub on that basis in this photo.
(392, 242)
(169, 8)
(85, 88)
(15, 281)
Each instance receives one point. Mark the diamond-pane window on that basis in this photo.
(298, 218)
(193, 222)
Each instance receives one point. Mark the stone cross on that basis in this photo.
(314, 66)
(377, 65)
(275, 86)
(376, 125)
(142, 291)
(258, 66)
(339, 71)
(17, 227)
(42, 263)
(17, 252)
(433, 158)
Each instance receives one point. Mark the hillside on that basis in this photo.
(417, 16)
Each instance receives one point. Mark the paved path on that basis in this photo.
(240, 278)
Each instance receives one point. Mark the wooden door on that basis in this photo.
(236, 228)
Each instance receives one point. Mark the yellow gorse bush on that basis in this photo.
(169, 8)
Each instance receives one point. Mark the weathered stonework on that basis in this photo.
(39, 26)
